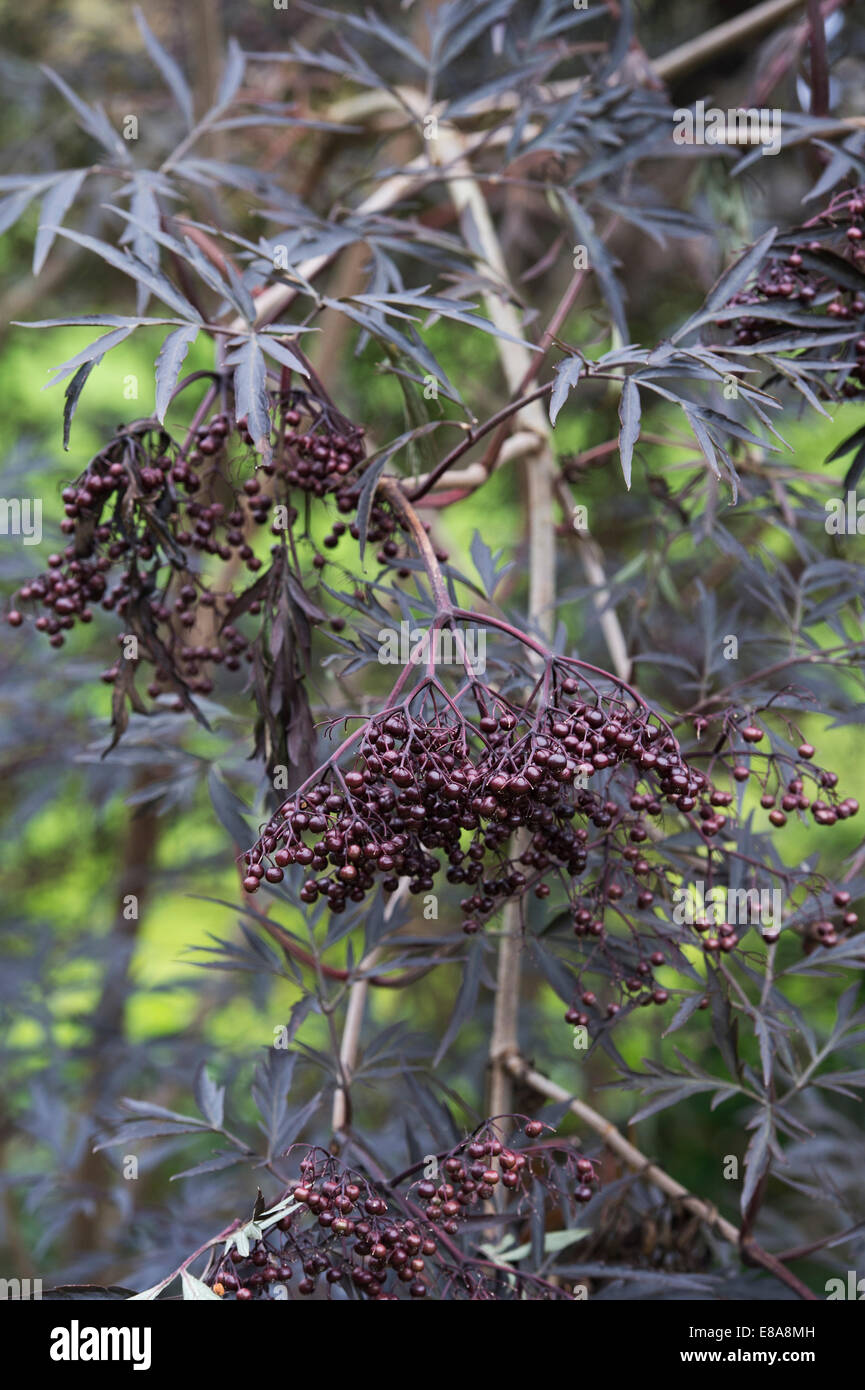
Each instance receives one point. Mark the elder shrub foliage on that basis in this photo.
(396, 284)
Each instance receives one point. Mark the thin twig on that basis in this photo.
(357, 997)
(751, 1252)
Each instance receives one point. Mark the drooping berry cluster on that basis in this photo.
(326, 458)
(388, 1242)
(793, 796)
(820, 268)
(425, 773)
(438, 785)
(133, 537)
(146, 513)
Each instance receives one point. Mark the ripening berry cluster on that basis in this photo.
(474, 1175)
(326, 458)
(421, 780)
(318, 459)
(798, 279)
(140, 512)
(131, 534)
(794, 797)
(433, 789)
(358, 1239)
(341, 1229)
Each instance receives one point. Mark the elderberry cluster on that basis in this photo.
(145, 506)
(327, 458)
(355, 1236)
(339, 1228)
(814, 272)
(319, 458)
(425, 774)
(133, 534)
(439, 785)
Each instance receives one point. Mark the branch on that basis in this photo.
(472, 436)
(341, 1112)
(330, 972)
(465, 481)
(730, 34)
(592, 558)
(752, 1254)
(413, 524)
(357, 996)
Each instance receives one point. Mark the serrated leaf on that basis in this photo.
(230, 809)
(94, 352)
(375, 27)
(250, 391)
(168, 67)
(143, 229)
(704, 439)
(853, 441)
(232, 75)
(169, 361)
(72, 395)
(87, 320)
(683, 1013)
(154, 280)
(92, 119)
(209, 1097)
(283, 354)
(149, 1129)
(441, 307)
(484, 563)
(150, 1111)
(730, 283)
(675, 1090)
(294, 1122)
(11, 208)
(410, 343)
(55, 205)
(455, 27)
(211, 1165)
(466, 999)
(629, 416)
(767, 1048)
(270, 1087)
(600, 262)
(567, 375)
(148, 1295)
(756, 1159)
(374, 470)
